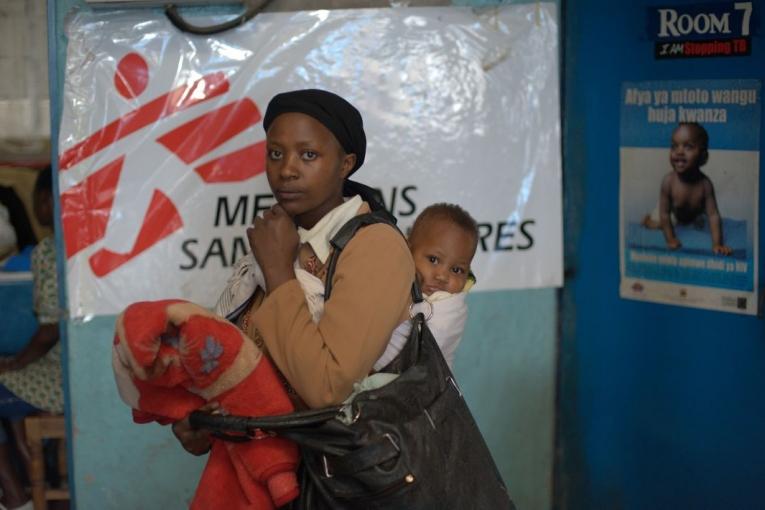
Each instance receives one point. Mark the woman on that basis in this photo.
(31, 381)
(315, 141)
(17, 239)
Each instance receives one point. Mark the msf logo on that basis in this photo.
(86, 206)
(673, 24)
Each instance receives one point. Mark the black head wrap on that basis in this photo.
(335, 113)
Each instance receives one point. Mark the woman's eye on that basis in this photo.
(274, 154)
(309, 155)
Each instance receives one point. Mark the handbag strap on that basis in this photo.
(416, 293)
(244, 424)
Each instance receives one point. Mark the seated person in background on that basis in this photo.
(7, 235)
(31, 380)
(443, 241)
(687, 196)
(16, 235)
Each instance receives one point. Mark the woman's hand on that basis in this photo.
(274, 243)
(195, 441)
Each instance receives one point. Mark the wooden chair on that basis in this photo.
(39, 428)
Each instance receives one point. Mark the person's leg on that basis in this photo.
(13, 490)
(20, 435)
(14, 409)
(649, 222)
(652, 220)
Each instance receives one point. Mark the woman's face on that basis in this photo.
(306, 166)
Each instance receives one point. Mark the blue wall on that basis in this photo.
(659, 406)
(506, 367)
(18, 320)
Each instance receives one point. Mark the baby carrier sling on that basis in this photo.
(410, 444)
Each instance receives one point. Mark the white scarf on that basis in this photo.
(247, 275)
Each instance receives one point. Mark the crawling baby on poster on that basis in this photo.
(687, 196)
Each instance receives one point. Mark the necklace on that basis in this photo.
(245, 327)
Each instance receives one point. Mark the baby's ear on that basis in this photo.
(704, 158)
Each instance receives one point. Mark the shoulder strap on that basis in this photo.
(346, 233)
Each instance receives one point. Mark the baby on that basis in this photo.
(687, 196)
(443, 241)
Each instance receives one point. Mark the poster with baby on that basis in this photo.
(689, 166)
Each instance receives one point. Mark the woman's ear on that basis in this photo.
(349, 161)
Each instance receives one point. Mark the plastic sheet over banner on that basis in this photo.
(162, 153)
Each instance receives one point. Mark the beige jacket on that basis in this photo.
(370, 298)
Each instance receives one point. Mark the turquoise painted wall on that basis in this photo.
(118, 464)
(506, 367)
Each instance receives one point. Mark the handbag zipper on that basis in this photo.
(409, 479)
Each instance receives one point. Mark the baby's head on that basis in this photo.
(443, 241)
(689, 149)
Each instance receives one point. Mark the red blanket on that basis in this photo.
(169, 358)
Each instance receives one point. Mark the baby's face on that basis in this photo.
(442, 252)
(686, 151)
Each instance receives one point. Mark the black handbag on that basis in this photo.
(412, 444)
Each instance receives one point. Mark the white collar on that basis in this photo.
(322, 233)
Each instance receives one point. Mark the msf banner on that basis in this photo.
(162, 150)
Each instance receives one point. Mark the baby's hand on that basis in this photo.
(673, 244)
(721, 249)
